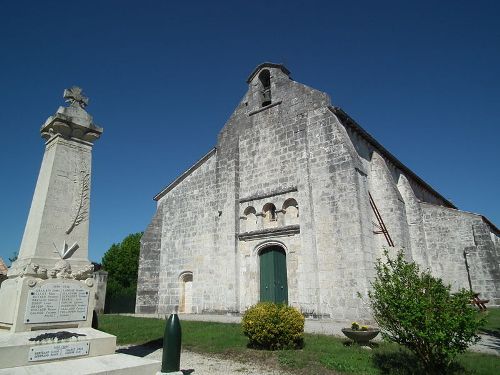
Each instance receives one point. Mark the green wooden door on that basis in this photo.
(273, 282)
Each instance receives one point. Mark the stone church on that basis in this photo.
(295, 204)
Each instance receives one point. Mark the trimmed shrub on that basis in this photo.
(417, 310)
(273, 326)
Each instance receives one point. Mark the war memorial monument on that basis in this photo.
(48, 299)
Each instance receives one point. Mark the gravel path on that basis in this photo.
(205, 365)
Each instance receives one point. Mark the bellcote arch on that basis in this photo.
(262, 83)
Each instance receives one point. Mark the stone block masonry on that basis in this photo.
(292, 174)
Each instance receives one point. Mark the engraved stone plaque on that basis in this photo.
(57, 351)
(57, 302)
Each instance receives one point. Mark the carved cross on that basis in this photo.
(75, 97)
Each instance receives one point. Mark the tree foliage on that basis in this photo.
(417, 310)
(121, 261)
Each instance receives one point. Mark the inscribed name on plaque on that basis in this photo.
(57, 351)
(57, 302)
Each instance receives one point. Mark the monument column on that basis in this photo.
(57, 226)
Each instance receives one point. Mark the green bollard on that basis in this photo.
(171, 360)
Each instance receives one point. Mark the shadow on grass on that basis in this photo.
(297, 346)
(142, 350)
(369, 345)
(396, 363)
(403, 363)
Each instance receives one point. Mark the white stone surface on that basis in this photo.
(51, 316)
(59, 211)
(119, 364)
(57, 302)
(58, 351)
(15, 347)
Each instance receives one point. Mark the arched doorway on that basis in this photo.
(273, 281)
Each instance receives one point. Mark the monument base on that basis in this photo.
(112, 364)
(16, 349)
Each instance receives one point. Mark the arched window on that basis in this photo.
(251, 219)
(269, 211)
(186, 292)
(291, 211)
(265, 81)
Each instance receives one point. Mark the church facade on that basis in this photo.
(295, 204)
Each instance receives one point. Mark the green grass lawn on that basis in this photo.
(320, 355)
(492, 321)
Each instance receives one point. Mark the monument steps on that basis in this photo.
(15, 347)
(111, 364)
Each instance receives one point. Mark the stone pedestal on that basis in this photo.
(49, 296)
(114, 364)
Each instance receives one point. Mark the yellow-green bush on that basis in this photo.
(273, 326)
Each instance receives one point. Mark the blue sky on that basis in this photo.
(423, 77)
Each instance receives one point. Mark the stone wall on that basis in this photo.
(298, 173)
(450, 232)
(187, 240)
(148, 280)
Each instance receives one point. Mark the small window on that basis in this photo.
(251, 219)
(265, 81)
(269, 211)
(291, 207)
(291, 211)
(249, 211)
(186, 292)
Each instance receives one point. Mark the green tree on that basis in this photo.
(121, 261)
(417, 310)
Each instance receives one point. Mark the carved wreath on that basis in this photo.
(80, 206)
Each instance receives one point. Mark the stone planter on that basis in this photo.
(361, 337)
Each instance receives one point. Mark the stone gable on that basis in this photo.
(294, 175)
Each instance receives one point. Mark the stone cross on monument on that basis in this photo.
(47, 302)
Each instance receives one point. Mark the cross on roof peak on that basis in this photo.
(75, 97)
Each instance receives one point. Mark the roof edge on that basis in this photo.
(348, 120)
(491, 225)
(186, 173)
(268, 65)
